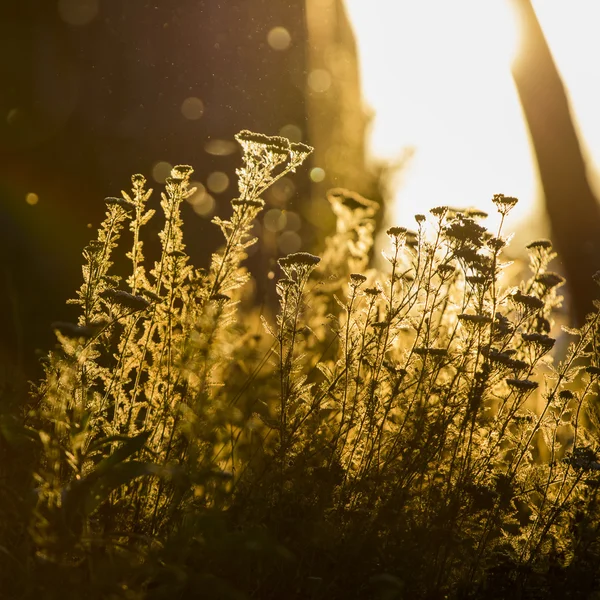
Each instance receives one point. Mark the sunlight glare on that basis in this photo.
(437, 76)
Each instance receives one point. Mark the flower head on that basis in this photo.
(126, 205)
(256, 143)
(503, 203)
(543, 244)
(522, 385)
(439, 211)
(357, 279)
(299, 259)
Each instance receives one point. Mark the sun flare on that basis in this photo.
(436, 76)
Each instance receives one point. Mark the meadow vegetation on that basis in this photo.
(402, 432)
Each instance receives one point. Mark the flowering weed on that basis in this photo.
(400, 431)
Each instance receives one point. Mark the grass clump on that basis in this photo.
(380, 440)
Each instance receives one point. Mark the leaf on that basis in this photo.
(267, 327)
(118, 475)
(570, 330)
(106, 441)
(130, 447)
(83, 496)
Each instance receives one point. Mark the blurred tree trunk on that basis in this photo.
(570, 202)
(337, 119)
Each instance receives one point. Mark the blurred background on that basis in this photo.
(412, 104)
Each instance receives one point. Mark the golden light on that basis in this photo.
(192, 108)
(217, 182)
(279, 38)
(437, 77)
(161, 170)
(32, 198)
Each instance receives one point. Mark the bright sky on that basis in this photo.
(437, 76)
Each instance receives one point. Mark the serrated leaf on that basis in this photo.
(267, 327)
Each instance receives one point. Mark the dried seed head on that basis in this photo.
(138, 181)
(125, 299)
(446, 269)
(478, 320)
(475, 213)
(467, 230)
(126, 205)
(372, 291)
(254, 203)
(583, 458)
(174, 181)
(439, 211)
(300, 147)
(543, 244)
(496, 243)
(476, 279)
(181, 172)
(505, 359)
(504, 203)
(357, 279)
(396, 232)
(545, 342)
(257, 142)
(420, 218)
(522, 385)
(528, 301)
(550, 280)
(299, 259)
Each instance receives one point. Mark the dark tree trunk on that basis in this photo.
(571, 205)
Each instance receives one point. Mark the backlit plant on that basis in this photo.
(396, 432)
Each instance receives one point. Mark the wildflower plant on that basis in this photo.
(411, 421)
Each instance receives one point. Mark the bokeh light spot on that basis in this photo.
(289, 242)
(13, 116)
(78, 12)
(161, 170)
(198, 195)
(282, 191)
(294, 222)
(217, 182)
(279, 38)
(220, 147)
(32, 199)
(291, 132)
(275, 220)
(192, 108)
(317, 174)
(205, 206)
(319, 80)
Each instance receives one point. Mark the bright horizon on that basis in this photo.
(454, 102)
